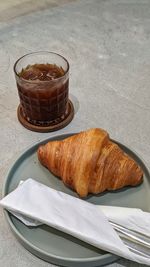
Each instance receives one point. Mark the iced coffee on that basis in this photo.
(43, 87)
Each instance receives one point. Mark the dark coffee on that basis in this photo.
(43, 92)
(42, 72)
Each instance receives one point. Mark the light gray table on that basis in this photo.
(108, 46)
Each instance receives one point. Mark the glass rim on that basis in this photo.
(42, 52)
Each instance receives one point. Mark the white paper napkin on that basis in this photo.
(71, 215)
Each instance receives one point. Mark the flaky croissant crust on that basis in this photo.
(89, 162)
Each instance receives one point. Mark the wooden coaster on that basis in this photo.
(50, 128)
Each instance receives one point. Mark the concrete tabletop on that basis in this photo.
(108, 46)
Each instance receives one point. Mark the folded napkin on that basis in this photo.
(35, 203)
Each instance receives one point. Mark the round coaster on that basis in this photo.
(57, 125)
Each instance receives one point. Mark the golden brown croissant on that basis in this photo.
(89, 162)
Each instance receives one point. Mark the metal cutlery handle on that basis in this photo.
(135, 237)
(136, 248)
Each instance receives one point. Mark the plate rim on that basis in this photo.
(106, 257)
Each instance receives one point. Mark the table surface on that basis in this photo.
(108, 46)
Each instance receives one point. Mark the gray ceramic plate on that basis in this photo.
(52, 245)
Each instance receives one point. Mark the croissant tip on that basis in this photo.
(41, 154)
(141, 178)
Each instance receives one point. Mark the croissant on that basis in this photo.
(89, 162)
